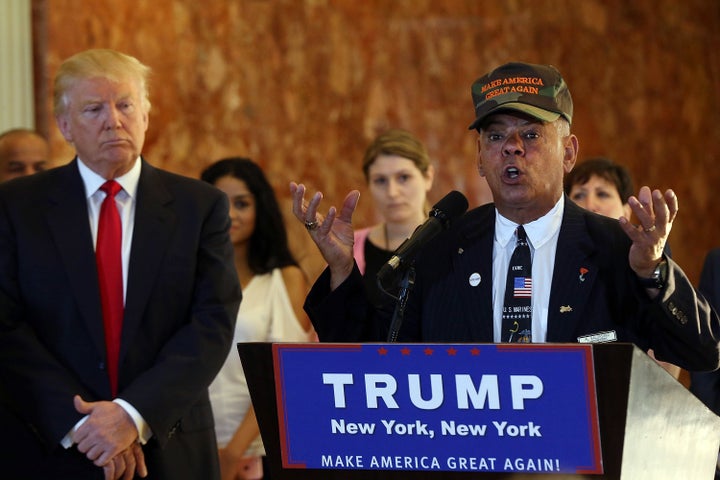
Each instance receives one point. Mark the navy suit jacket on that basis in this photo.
(181, 304)
(444, 307)
(706, 385)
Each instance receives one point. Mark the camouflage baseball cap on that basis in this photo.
(538, 90)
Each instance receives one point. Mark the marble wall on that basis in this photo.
(301, 86)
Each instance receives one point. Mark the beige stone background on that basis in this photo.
(301, 86)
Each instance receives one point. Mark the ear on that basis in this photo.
(429, 177)
(478, 159)
(571, 150)
(63, 123)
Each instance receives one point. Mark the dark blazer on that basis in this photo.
(181, 304)
(593, 290)
(706, 385)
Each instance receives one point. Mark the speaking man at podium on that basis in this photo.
(576, 276)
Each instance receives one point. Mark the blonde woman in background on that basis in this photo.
(399, 176)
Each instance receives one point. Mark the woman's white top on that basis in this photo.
(265, 315)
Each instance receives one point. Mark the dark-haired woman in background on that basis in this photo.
(601, 186)
(274, 290)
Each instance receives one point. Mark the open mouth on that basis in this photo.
(512, 172)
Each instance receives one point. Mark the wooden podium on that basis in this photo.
(651, 426)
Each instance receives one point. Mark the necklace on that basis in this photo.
(387, 242)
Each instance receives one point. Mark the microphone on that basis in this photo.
(450, 207)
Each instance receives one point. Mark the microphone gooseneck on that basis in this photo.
(443, 213)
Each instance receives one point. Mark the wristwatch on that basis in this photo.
(658, 277)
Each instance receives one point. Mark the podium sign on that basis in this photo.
(445, 407)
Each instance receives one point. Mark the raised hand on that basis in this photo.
(656, 212)
(333, 233)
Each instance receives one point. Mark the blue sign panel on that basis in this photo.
(438, 407)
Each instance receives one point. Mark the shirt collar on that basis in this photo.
(538, 231)
(93, 181)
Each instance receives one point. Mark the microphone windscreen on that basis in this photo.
(450, 206)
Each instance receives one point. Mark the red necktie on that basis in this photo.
(109, 263)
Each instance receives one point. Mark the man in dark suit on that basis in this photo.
(22, 152)
(706, 385)
(75, 415)
(593, 278)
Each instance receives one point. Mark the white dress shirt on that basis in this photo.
(125, 201)
(542, 236)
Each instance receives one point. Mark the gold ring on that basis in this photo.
(648, 230)
(311, 225)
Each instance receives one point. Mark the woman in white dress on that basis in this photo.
(274, 289)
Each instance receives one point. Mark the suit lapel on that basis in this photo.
(67, 217)
(152, 229)
(473, 262)
(574, 275)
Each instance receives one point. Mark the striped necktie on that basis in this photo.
(517, 309)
